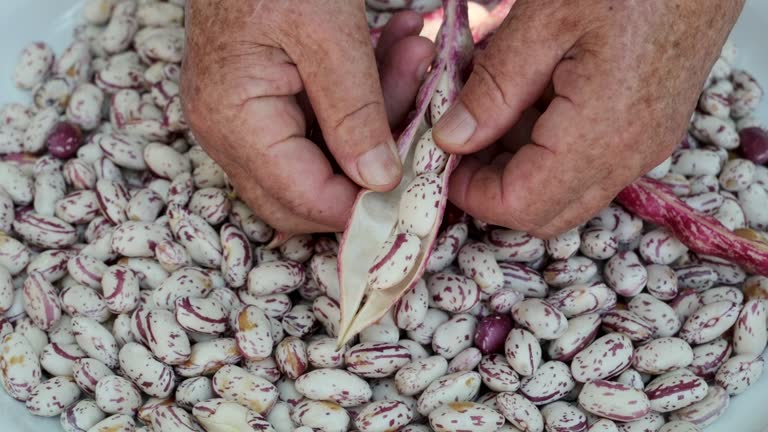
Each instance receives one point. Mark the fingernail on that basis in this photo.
(380, 166)
(456, 126)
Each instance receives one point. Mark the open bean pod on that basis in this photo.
(390, 235)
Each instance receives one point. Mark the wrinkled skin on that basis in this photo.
(253, 69)
(570, 102)
(615, 82)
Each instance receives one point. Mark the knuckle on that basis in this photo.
(358, 115)
(489, 81)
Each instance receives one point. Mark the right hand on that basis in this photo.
(257, 73)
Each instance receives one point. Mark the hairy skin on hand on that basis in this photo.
(620, 80)
(257, 73)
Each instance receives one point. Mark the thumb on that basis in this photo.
(508, 77)
(338, 67)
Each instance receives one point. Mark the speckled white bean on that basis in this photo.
(626, 274)
(81, 416)
(79, 174)
(551, 381)
(376, 359)
(253, 333)
(598, 243)
(606, 357)
(662, 355)
(739, 373)
(662, 281)
(323, 353)
(456, 387)
(752, 200)
(447, 247)
(497, 374)
(416, 376)
(240, 215)
(50, 398)
(581, 332)
(238, 385)
(209, 356)
(41, 302)
(419, 205)
(477, 261)
(45, 231)
(523, 351)
(614, 401)
(396, 258)
(339, 386)
(34, 65)
(675, 390)
(193, 390)
(95, 340)
(201, 240)
(49, 188)
(628, 323)
(570, 271)
(120, 286)
(59, 359)
(459, 416)
(706, 411)
(453, 293)
(658, 314)
(275, 277)
(424, 331)
(523, 279)
(382, 416)
(86, 270)
(115, 423)
(19, 366)
(679, 426)
(661, 247)
(540, 318)
(218, 415)
(18, 185)
(710, 321)
(454, 335)
(291, 357)
(321, 415)
(166, 338)
(117, 395)
(153, 377)
(466, 360)
(516, 246)
(201, 315)
(746, 95)
(519, 411)
(185, 282)
(708, 357)
(565, 245)
(87, 372)
(581, 299)
(81, 301)
(562, 416)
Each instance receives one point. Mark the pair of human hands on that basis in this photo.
(570, 102)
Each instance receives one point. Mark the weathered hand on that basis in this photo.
(619, 81)
(253, 69)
